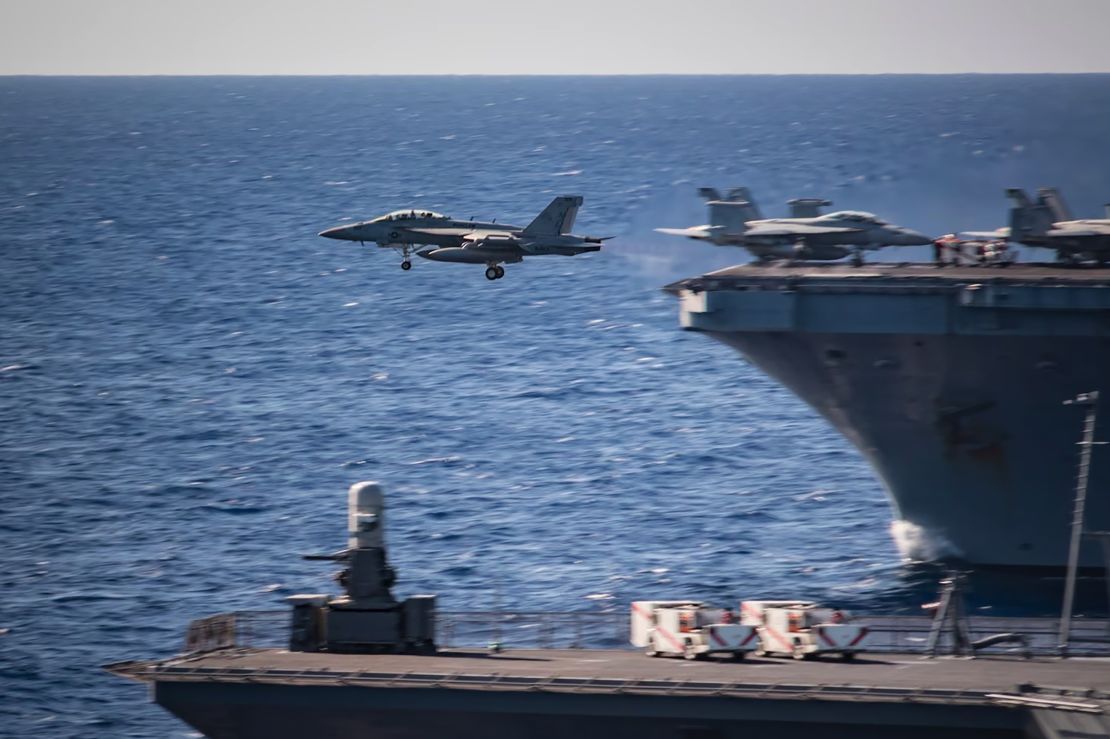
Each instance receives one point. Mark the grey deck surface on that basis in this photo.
(991, 674)
(1031, 272)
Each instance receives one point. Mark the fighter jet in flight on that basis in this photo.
(1048, 223)
(806, 234)
(444, 239)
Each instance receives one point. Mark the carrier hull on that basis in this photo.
(950, 383)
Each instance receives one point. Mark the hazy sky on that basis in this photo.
(552, 37)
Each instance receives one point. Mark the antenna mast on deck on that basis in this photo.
(1090, 402)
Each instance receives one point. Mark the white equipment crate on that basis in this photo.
(688, 628)
(803, 629)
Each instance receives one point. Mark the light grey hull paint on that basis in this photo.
(951, 388)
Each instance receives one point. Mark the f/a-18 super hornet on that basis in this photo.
(444, 239)
(735, 220)
(1048, 223)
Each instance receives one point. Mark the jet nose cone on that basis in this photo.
(339, 232)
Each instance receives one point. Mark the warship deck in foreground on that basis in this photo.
(344, 673)
(272, 694)
(950, 381)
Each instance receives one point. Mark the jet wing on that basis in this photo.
(797, 229)
(433, 231)
(694, 232)
(489, 240)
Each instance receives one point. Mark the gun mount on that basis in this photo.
(367, 618)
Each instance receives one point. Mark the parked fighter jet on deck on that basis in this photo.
(1048, 223)
(806, 234)
(444, 239)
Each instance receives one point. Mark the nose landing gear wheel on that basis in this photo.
(500, 271)
(491, 273)
(406, 265)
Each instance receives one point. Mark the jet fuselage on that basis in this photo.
(414, 227)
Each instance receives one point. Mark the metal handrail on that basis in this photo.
(609, 630)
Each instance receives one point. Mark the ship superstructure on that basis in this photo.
(950, 382)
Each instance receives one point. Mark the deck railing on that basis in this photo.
(238, 629)
(609, 630)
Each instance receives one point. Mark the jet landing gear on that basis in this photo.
(406, 253)
(495, 272)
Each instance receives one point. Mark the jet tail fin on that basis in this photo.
(732, 218)
(1018, 197)
(807, 207)
(731, 212)
(744, 195)
(1028, 220)
(557, 218)
(1054, 201)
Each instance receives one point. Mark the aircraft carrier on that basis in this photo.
(950, 381)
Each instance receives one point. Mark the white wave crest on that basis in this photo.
(918, 544)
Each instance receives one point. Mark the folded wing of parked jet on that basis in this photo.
(1085, 231)
(796, 229)
(998, 233)
(693, 232)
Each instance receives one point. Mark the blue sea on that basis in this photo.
(190, 378)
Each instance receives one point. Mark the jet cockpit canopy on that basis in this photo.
(409, 215)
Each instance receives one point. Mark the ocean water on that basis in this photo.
(190, 378)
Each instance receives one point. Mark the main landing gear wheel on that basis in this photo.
(406, 265)
(500, 271)
(491, 273)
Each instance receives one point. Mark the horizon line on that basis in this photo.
(550, 74)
